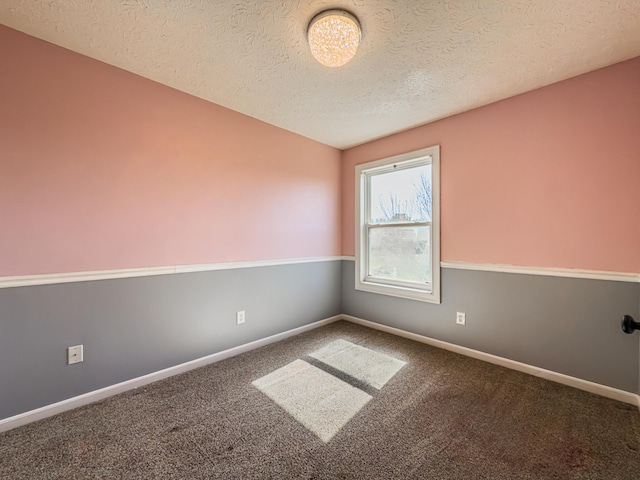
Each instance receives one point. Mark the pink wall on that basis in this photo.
(102, 169)
(550, 178)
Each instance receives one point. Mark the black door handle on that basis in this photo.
(628, 324)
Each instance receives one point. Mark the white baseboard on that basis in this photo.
(602, 390)
(91, 397)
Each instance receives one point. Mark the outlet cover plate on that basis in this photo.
(75, 354)
(461, 318)
(240, 317)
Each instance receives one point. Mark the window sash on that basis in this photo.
(427, 286)
(397, 225)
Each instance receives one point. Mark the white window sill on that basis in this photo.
(397, 291)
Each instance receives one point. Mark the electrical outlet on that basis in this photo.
(75, 354)
(461, 318)
(240, 317)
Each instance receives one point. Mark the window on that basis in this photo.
(398, 226)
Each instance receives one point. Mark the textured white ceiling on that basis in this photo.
(419, 60)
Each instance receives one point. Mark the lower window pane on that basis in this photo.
(400, 253)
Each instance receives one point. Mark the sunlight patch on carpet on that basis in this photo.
(369, 366)
(320, 401)
(316, 399)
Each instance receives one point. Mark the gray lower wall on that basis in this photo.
(135, 326)
(566, 325)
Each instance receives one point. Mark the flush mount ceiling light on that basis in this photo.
(334, 36)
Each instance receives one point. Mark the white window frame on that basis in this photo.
(430, 293)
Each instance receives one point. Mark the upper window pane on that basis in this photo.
(403, 195)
